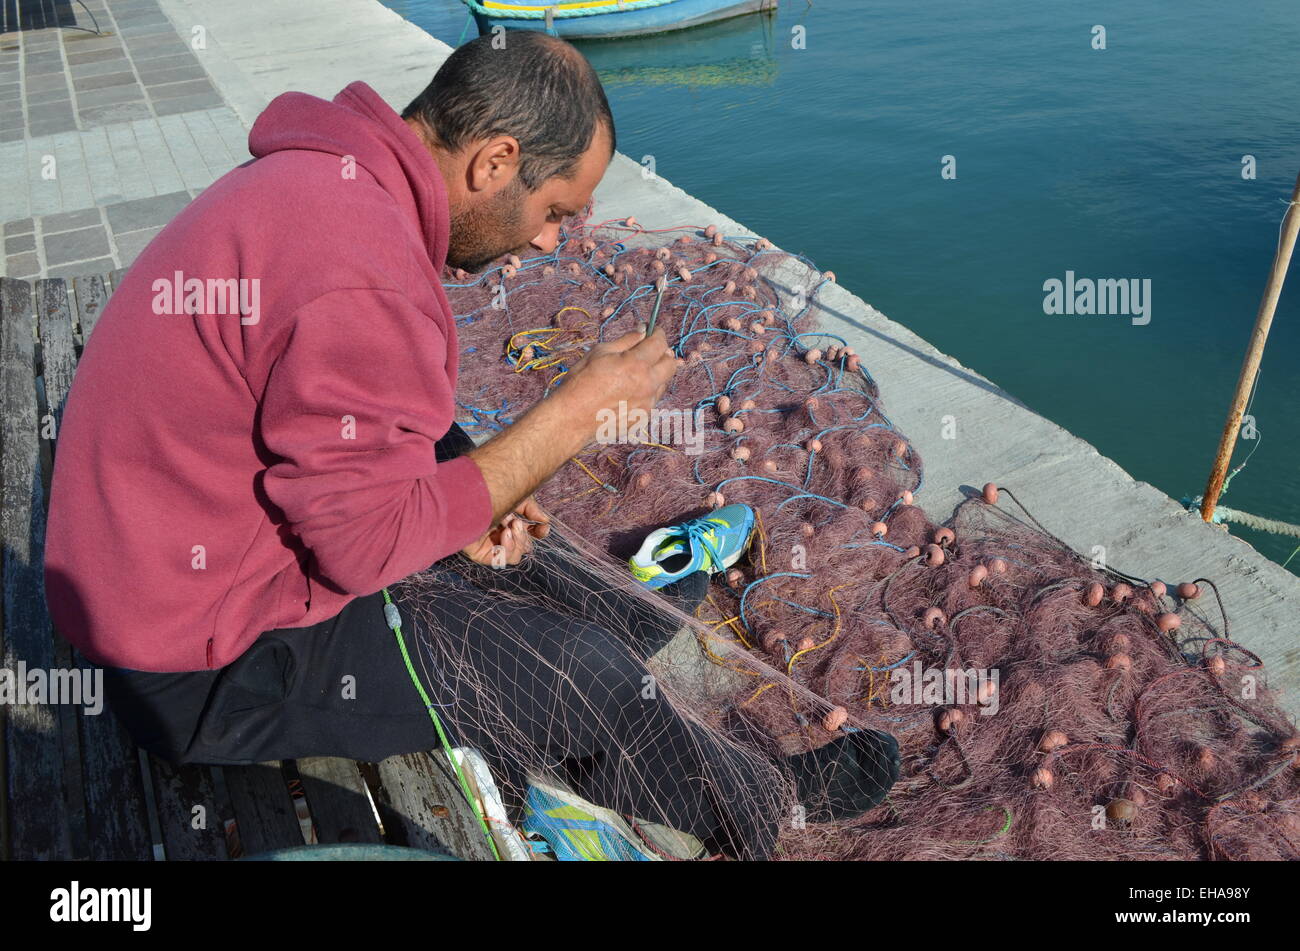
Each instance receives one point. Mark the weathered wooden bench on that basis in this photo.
(74, 786)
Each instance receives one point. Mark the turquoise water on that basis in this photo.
(1116, 163)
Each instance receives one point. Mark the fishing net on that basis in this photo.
(1045, 707)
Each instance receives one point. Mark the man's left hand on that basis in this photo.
(508, 542)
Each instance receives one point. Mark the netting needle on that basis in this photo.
(654, 314)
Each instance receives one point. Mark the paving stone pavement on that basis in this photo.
(109, 125)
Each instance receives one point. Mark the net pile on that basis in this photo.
(1045, 707)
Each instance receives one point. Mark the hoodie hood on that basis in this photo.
(359, 124)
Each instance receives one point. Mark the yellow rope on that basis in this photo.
(557, 351)
(722, 661)
(834, 633)
(594, 488)
(871, 682)
(716, 659)
(762, 540)
(602, 482)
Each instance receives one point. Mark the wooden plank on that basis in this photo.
(103, 770)
(263, 808)
(117, 820)
(12, 307)
(57, 360)
(336, 796)
(115, 277)
(422, 806)
(190, 811)
(58, 349)
(37, 813)
(92, 294)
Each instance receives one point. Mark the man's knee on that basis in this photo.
(605, 670)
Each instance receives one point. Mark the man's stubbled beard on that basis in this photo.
(481, 235)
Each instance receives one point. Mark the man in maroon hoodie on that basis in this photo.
(260, 438)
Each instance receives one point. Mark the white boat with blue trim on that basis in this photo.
(602, 19)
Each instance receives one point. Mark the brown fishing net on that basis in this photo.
(1046, 707)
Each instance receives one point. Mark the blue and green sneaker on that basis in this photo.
(577, 831)
(561, 823)
(711, 543)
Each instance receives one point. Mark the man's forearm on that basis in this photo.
(525, 454)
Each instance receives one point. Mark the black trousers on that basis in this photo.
(569, 688)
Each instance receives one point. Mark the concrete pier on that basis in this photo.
(130, 171)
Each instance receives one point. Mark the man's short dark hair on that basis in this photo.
(537, 88)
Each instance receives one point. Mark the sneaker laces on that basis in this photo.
(696, 532)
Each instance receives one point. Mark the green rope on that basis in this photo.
(997, 835)
(395, 625)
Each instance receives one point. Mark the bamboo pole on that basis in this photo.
(1254, 353)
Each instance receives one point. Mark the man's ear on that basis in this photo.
(493, 163)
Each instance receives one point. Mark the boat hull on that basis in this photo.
(676, 15)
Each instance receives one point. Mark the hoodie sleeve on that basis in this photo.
(352, 409)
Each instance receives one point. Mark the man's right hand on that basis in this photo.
(634, 370)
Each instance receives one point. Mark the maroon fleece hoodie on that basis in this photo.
(249, 439)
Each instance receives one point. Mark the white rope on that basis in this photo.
(1226, 514)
